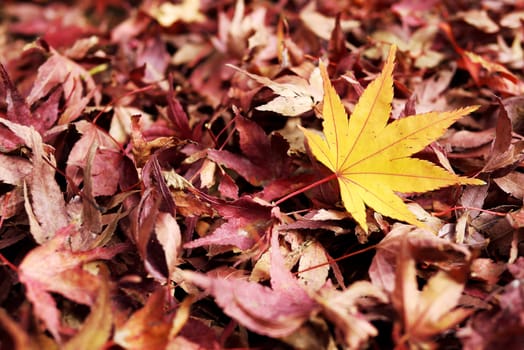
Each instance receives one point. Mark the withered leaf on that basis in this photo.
(47, 203)
(275, 311)
(62, 273)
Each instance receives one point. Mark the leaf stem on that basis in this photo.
(308, 187)
(332, 261)
(6, 262)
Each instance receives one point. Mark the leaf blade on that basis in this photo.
(372, 111)
(419, 130)
(383, 201)
(336, 126)
(406, 175)
(320, 149)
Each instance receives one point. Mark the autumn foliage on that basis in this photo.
(267, 175)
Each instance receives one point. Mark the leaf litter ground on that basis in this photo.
(184, 175)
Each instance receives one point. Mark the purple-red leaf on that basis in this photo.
(275, 311)
(60, 70)
(46, 204)
(61, 273)
(107, 156)
(246, 222)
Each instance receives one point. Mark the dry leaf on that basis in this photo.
(46, 207)
(168, 14)
(97, 327)
(296, 95)
(432, 310)
(342, 308)
(60, 70)
(149, 327)
(275, 311)
(62, 273)
(168, 235)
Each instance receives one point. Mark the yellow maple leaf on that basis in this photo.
(371, 158)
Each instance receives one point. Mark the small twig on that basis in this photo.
(447, 211)
(332, 261)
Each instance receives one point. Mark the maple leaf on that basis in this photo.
(106, 154)
(98, 325)
(63, 273)
(484, 329)
(147, 328)
(265, 158)
(276, 312)
(342, 308)
(46, 207)
(246, 222)
(433, 309)
(426, 247)
(371, 159)
(296, 95)
(61, 71)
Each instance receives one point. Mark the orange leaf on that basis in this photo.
(98, 325)
(147, 328)
(371, 158)
(432, 310)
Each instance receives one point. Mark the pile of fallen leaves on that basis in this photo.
(252, 174)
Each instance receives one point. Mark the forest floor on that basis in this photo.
(183, 175)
